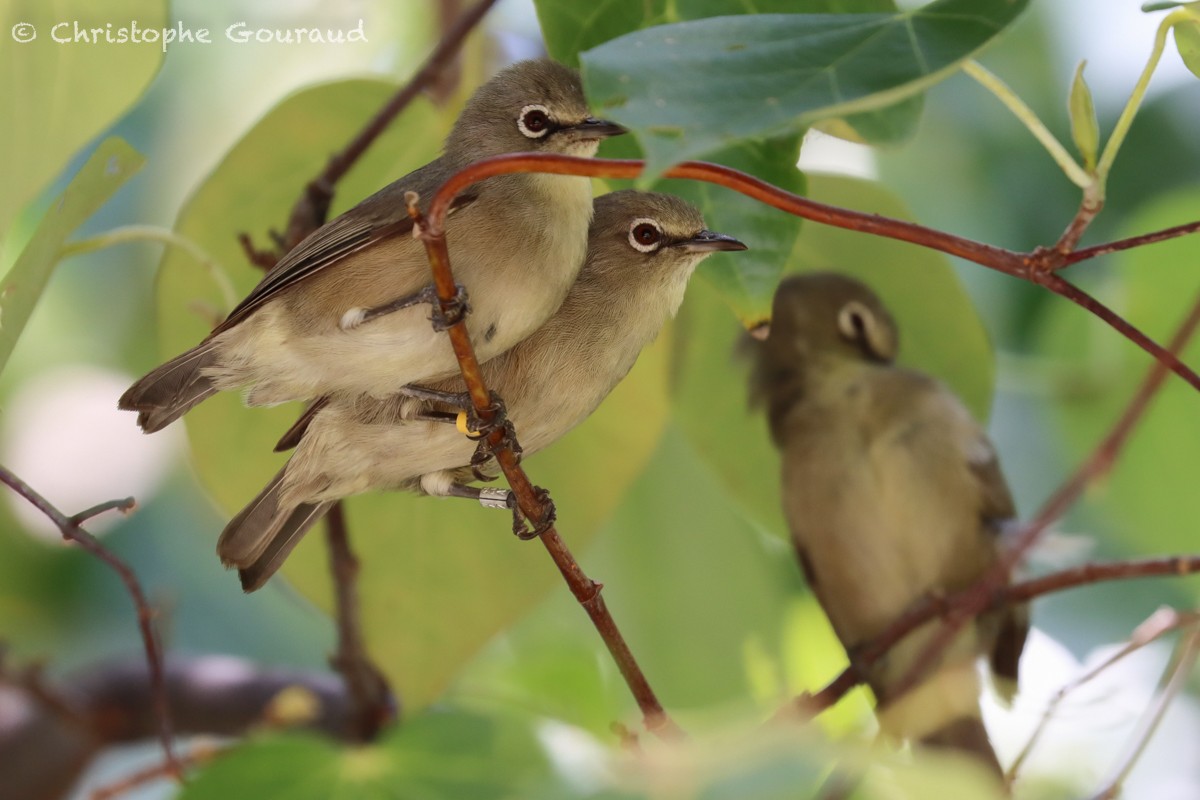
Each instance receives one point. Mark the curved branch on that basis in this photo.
(1036, 267)
(70, 529)
(532, 501)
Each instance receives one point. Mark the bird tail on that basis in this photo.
(260, 537)
(942, 711)
(1012, 632)
(170, 391)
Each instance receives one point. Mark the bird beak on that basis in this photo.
(592, 128)
(707, 241)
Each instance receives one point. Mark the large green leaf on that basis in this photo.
(1150, 495)
(439, 577)
(690, 88)
(571, 27)
(55, 96)
(110, 166)
(940, 334)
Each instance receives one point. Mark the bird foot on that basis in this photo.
(442, 318)
(549, 515)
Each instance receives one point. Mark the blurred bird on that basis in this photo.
(344, 311)
(893, 495)
(643, 248)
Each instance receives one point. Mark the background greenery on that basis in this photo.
(668, 494)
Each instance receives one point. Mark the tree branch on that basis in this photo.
(532, 502)
(56, 729)
(70, 529)
(1037, 266)
(374, 704)
(367, 685)
(312, 209)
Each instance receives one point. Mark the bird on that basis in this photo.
(893, 495)
(343, 310)
(642, 249)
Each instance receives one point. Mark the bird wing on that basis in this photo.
(378, 217)
(996, 512)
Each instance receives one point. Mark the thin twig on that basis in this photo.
(1088, 253)
(531, 501)
(311, 210)
(369, 692)
(124, 505)
(1037, 266)
(1174, 679)
(72, 531)
(197, 756)
(1159, 624)
(964, 603)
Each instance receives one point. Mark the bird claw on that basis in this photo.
(447, 315)
(549, 515)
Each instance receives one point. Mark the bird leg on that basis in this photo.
(455, 311)
(468, 421)
(488, 498)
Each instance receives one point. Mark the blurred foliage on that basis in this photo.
(55, 98)
(669, 493)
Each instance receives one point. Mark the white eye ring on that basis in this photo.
(855, 321)
(534, 134)
(643, 247)
(859, 325)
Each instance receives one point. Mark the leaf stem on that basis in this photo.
(1117, 138)
(153, 233)
(1075, 173)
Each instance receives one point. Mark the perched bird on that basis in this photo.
(893, 495)
(345, 310)
(642, 249)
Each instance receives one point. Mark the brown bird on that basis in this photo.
(642, 250)
(893, 494)
(344, 311)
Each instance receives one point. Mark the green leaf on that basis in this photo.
(941, 334)
(691, 88)
(746, 279)
(883, 126)
(570, 27)
(1085, 130)
(439, 577)
(1149, 497)
(55, 97)
(110, 166)
(444, 755)
(1187, 39)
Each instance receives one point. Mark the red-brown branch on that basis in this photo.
(1037, 266)
(71, 530)
(312, 209)
(1083, 575)
(529, 499)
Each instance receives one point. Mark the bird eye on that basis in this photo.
(858, 325)
(644, 235)
(853, 320)
(534, 121)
